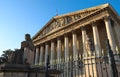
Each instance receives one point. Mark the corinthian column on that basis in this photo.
(52, 52)
(36, 56)
(75, 52)
(66, 49)
(110, 34)
(66, 55)
(41, 55)
(59, 50)
(46, 52)
(96, 39)
(84, 40)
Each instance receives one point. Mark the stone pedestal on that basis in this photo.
(22, 70)
(28, 56)
(14, 70)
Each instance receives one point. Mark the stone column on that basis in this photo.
(110, 34)
(83, 40)
(66, 48)
(52, 53)
(46, 52)
(41, 55)
(96, 39)
(66, 56)
(36, 55)
(59, 47)
(117, 32)
(75, 52)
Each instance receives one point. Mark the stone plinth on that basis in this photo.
(14, 70)
(22, 70)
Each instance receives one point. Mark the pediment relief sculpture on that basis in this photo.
(66, 19)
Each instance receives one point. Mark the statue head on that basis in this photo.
(27, 37)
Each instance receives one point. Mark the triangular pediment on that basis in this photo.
(63, 20)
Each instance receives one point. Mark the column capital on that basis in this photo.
(52, 40)
(46, 43)
(83, 28)
(94, 23)
(37, 46)
(58, 38)
(73, 32)
(41, 45)
(106, 18)
(66, 35)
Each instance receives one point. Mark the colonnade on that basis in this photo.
(56, 45)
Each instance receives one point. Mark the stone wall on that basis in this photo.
(13, 74)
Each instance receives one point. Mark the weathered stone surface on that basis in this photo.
(27, 45)
(60, 27)
(90, 41)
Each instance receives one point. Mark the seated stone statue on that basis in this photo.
(28, 47)
(24, 55)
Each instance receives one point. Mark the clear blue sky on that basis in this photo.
(18, 17)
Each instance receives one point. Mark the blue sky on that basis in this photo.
(18, 17)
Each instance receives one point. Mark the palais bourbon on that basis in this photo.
(76, 42)
(84, 43)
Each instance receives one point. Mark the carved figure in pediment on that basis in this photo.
(40, 35)
(62, 21)
(77, 16)
(73, 18)
(57, 23)
(47, 30)
(44, 32)
(66, 20)
(69, 19)
(54, 25)
(50, 27)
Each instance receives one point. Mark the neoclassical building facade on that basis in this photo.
(77, 35)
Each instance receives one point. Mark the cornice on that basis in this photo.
(114, 15)
(51, 20)
(94, 8)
